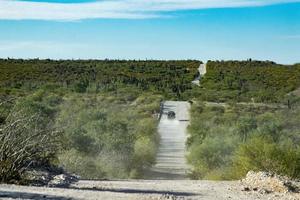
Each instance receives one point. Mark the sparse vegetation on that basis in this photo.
(28, 137)
(247, 81)
(104, 111)
(227, 142)
(98, 118)
(169, 78)
(108, 136)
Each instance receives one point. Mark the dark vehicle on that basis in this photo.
(171, 115)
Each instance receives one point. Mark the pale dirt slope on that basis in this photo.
(202, 72)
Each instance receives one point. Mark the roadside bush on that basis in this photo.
(114, 135)
(143, 157)
(228, 144)
(212, 157)
(26, 138)
(104, 165)
(6, 103)
(263, 154)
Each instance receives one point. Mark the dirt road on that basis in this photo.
(140, 190)
(202, 72)
(170, 160)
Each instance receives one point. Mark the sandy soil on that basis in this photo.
(142, 189)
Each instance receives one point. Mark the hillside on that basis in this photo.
(244, 81)
(248, 81)
(100, 117)
(170, 78)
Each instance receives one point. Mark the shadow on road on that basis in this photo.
(27, 195)
(136, 191)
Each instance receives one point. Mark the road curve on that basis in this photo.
(202, 72)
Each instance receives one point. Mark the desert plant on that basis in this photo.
(25, 139)
(262, 153)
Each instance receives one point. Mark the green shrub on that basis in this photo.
(119, 134)
(27, 138)
(262, 153)
(228, 144)
(245, 81)
(210, 156)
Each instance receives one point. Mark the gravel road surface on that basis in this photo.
(140, 190)
(170, 160)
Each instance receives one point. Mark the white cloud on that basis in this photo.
(122, 9)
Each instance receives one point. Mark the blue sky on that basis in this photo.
(151, 29)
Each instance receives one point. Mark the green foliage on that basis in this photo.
(27, 137)
(117, 137)
(210, 156)
(110, 134)
(170, 78)
(245, 125)
(6, 104)
(248, 81)
(263, 153)
(107, 112)
(227, 143)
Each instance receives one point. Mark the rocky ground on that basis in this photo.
(266, 182)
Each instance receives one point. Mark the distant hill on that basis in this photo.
(246, 81)
(168, 77)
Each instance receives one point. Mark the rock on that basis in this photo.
(47, 176)
(265, 182)
(59, 181)
(62, 180)
(263, 191)
(247, 189)
(36, 177)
